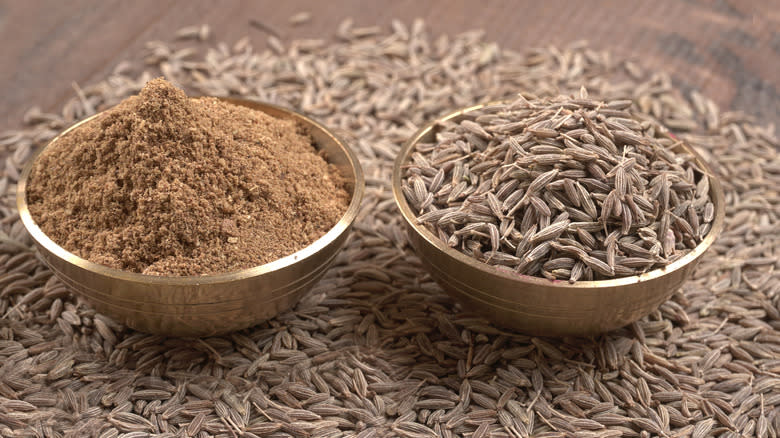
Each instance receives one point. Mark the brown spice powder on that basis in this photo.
(170, 185)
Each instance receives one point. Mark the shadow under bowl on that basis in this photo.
(211, 304)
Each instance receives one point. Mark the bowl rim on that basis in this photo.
(716, 196)
(342, 225)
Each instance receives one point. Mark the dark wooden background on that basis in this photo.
(729, 49)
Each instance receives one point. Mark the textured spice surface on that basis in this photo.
(564, 188)
(168, 185)
(376, 349)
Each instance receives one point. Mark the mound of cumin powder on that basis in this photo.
(165, 184)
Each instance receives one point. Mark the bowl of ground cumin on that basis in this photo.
(191, 216)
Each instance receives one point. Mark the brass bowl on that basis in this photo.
(211, 304)
(537, 305)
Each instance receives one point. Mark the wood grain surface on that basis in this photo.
(728, 49)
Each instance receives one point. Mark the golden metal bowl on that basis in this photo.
(536, 305)
(211, 304)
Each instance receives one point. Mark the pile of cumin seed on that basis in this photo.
(567, 188)
(376, 349)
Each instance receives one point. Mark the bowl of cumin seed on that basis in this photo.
(565, 216)
(191, 216)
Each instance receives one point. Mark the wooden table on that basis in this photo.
(729, 49)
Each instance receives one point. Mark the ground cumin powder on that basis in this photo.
(169, 185)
